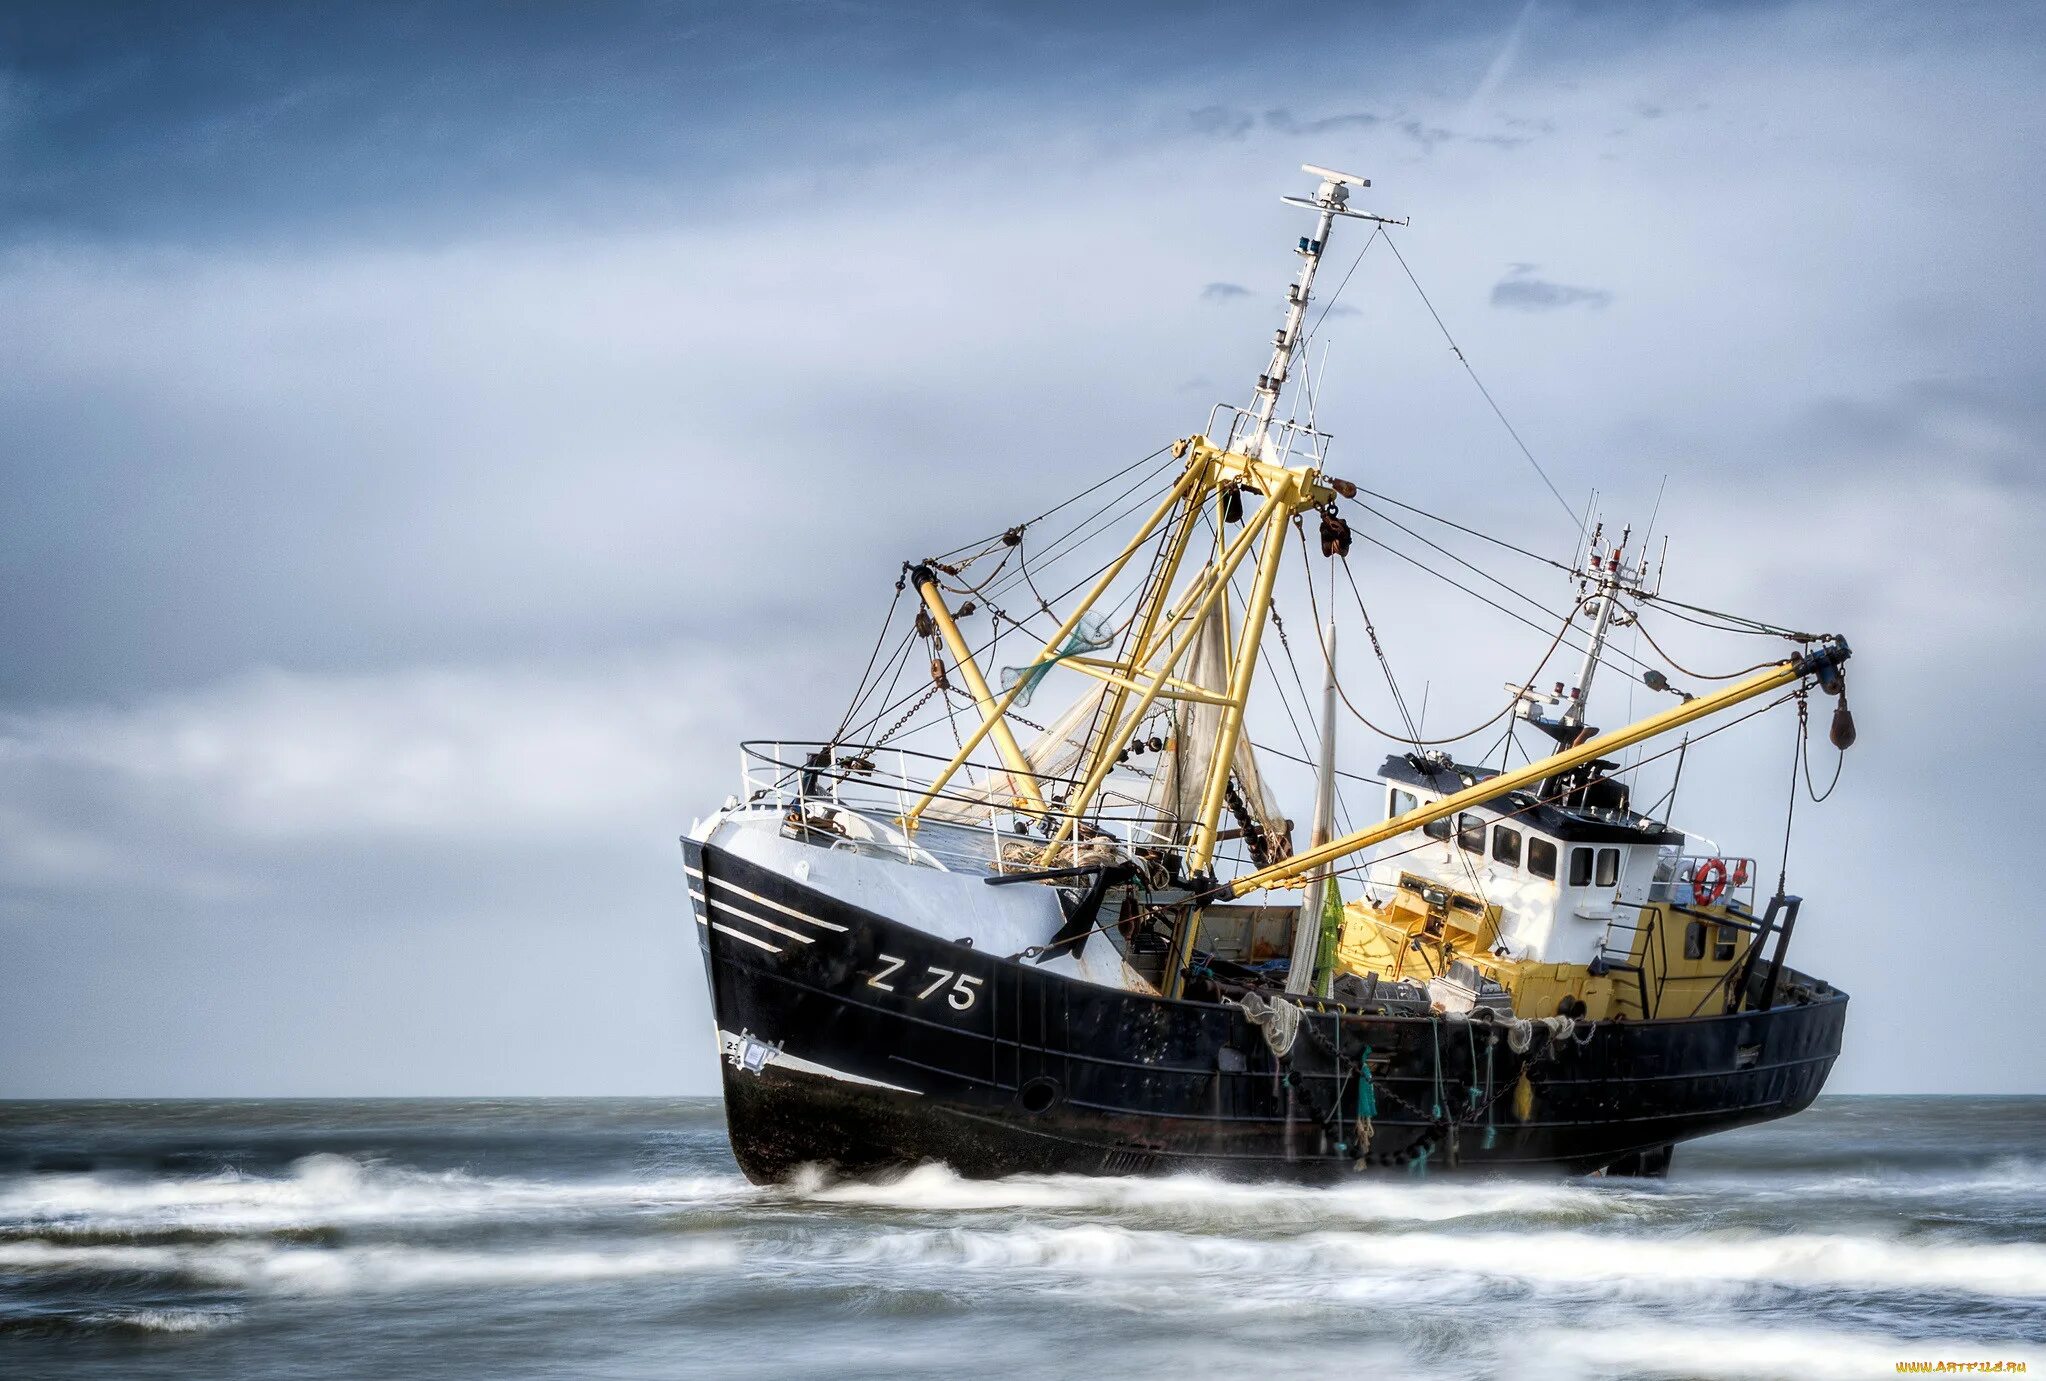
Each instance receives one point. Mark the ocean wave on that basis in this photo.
(327, 1191)
(1360, 1263)
(1200, 1199)
(309, 1270)
(2002, 1179)
(1645, 1349)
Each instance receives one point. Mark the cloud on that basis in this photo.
(1221, 122)
(1523, 292)
(408, 482)
(457, 754)
(1223, 292)
(1284, 121)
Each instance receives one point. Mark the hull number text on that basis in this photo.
(960, 991)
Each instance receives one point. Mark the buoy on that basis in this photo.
(1523, 1098)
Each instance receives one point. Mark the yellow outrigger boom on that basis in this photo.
(1820, 661)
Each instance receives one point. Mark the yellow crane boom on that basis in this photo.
(1819, 661)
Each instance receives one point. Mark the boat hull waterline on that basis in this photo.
(864, 1046)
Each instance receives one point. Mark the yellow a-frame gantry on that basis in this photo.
(1161, 632)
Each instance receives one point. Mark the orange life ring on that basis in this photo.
(1708, 881)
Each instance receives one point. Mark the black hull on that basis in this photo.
(838, 1055)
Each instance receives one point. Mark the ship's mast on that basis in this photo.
(1330, 200)
(1610, 576)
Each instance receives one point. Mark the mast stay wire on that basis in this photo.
(1730, 623)
(1414, 738)
(1101, 484)
(893, 704)
(1461, 359)
(1486, 575)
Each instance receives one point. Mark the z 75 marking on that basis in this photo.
(960, 996)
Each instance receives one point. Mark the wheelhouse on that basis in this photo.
(1559, 863)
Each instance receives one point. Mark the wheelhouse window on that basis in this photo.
(1402, 802)
(1506, 845)
(1541, 859)
(1470, 832)
(1694, 940)
(1723, 943)
(1580, 867)
(1439, 829)
(1608, 867)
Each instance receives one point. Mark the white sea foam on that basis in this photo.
(159, 1320)
(1346, 1262)
(328, 1190)
(312, 1270)
(1645, 1349)
(934, 1189)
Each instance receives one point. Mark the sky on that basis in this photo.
(434, 436)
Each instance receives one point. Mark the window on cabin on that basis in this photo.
(1541, 859)
(1580, 867)
(1439, 829)
(1402, 802)
(1506, 845)
(1608, 867)
(1694, 940)
(1723, 944)
(1470, 832)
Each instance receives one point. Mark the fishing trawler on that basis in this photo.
(1105, 951)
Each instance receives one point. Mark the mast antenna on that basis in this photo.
(1330, 200)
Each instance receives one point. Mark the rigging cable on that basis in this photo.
(1696, 675)
(1469, 531)
(1790, 808)
(1487, 575)
(861, 692)
(1330, 305)
(1460, 359)
(1102, 484)
(1412, 738)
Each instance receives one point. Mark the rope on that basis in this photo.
(1378, 648)
(1790, 810)
(988, 542)
(1697, 675)
(860, 694)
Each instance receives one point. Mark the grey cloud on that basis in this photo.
(1222, 122)
(1223, 292)
(1521, 291)
(1285, 122)
(473, 381)
(1426, 135)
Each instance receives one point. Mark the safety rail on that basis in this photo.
(971, 828)
(1281, 439)
(1705, 880)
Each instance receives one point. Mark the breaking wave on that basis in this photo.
(651, 1247)
(329, 1191)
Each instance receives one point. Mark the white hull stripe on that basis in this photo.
(783, 1060)
(724, 929)
(751, 919)
(697, 897)
(785, 910)
(696, 873)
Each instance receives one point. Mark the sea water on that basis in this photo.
(616, 1238)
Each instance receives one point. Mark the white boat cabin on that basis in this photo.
(1561, 863)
